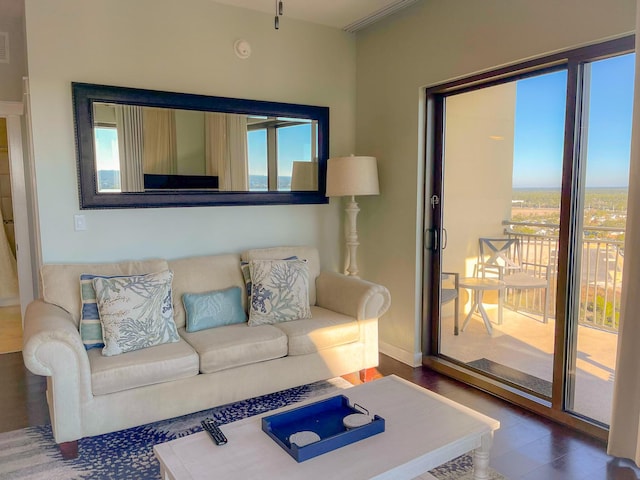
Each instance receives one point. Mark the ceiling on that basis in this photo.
(350, 15)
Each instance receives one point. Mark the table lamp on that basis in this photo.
(352, 176)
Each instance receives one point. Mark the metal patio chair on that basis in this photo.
(501, 258)
(449, 294)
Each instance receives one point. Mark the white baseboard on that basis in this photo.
(9, 302)
(411, 359)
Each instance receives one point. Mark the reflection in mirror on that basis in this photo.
(147, 148)
(142, 149)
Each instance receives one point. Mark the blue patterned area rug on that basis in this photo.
(31, 453)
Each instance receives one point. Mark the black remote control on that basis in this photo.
(212, 428)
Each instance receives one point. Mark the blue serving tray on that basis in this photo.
(325, 419)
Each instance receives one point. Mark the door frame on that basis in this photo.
(13, 112)
(567, 257)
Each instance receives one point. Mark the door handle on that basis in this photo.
(445, 238)
(431, 239)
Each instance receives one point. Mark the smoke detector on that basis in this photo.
(242, 49)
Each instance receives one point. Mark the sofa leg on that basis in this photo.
(368, 374)
(69, 450)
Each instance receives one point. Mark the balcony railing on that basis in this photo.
(600, 269)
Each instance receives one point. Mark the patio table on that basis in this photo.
(479, 285)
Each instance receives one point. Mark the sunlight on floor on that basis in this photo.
(526, 344)
(10, 329)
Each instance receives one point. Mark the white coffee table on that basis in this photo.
(422, 431)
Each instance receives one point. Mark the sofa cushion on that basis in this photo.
(279, 291)
(236, 345)
(214, 309)
(60, 283)
(162, 363)
(203, 274)
(310, 254)
(326, 329)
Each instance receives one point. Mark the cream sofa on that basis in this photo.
(91, 394)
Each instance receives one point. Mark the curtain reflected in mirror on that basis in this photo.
(146, 149)
(226, 150)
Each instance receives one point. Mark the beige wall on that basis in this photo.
(12, 22)
(190, 139)
(184, 46)
(478, 169)
(427, 44)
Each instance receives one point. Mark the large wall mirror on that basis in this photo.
(146, 148)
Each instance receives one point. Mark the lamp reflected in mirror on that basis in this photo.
(304, 176)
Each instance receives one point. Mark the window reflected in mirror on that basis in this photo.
(146, 149)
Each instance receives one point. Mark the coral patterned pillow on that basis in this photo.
(135, 311)
(279, 291)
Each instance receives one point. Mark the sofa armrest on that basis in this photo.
(352, 296)
(52, 347)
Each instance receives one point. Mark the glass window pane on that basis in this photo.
(258, 166)
(107, 159)
(503, 154)
(610, 100)
(294, 144)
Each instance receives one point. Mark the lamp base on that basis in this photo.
(352, 237)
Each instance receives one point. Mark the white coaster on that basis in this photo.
(304, 438)
(356, 420)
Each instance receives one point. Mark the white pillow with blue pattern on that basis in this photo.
(279, 291)
(136, 311)
(246, 274)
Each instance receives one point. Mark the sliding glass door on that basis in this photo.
(527, 213)
(606, 126)
(502, 177)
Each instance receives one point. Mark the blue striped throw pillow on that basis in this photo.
(90, 326)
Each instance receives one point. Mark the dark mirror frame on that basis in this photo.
(85, 94)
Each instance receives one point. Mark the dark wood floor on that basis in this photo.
(22, 395)
(526, 447)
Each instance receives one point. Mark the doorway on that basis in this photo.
(15, 193)
(530, 178)
(10, 318)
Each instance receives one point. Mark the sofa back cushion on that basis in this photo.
(203, 274)
(60, 283)
(310, 254)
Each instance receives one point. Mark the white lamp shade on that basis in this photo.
(352, 175)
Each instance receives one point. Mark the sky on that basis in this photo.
(539, 126)
(294, 143)
(107, 149)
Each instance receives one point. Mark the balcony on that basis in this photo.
(520, 349)
(600, 265)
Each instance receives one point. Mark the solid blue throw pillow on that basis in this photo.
(213, 309)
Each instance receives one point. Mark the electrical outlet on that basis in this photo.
(79, 222)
